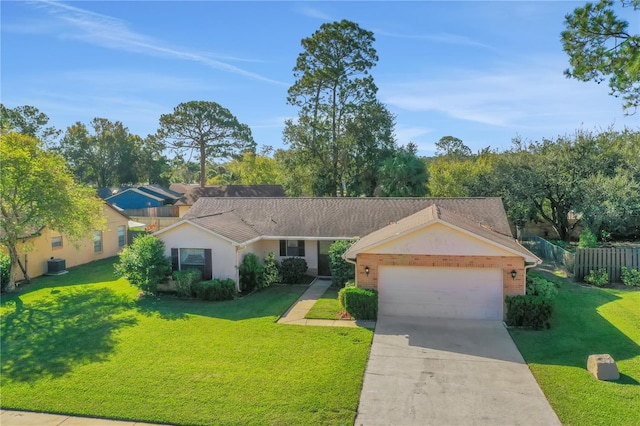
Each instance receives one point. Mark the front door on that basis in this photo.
(324, 267)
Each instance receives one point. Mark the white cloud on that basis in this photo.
(405, 134)
(530, 94)
(108, 32)
(312, 12)
(446, 38)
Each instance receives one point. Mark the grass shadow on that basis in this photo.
(51, 336)
(89, 273)
(270, 301)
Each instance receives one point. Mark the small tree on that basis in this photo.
(271, 272)
(251, 273)
(341, 270)
(144, 263)
(587, 239)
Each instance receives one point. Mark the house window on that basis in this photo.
(56, 243)
(97, 241)
(292, 248)
(192, 258)
(122, 235)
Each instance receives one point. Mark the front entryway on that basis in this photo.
(426, 371)
(324, 266)
(464, 293)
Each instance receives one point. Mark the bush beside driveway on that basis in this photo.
(84, 344)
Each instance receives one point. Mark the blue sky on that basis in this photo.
(484, 72)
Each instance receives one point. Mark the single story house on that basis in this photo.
(143, 196)
(168, 195)
(191, 193)
(98, 244)
(440, 257)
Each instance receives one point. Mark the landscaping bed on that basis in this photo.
(85, 344)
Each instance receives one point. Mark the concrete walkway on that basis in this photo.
(28, 418)
(302, 306)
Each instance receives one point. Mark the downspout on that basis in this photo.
(355, 263)
(238, 248)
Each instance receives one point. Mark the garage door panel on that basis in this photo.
(469, 293)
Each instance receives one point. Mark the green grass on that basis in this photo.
(84, 344)
(587, 321)
(327, 307)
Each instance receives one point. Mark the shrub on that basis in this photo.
(251, 273)
(529, 311)
(630, 277)
(360, 303)
(341, 270)
(598, 277)
(587, 239)
(5, 270)
(144, 264)
(349, 283)
(535, 308)
(215, 289)
(271, 272)
(540, 286)
(292, 270)
(185, 282)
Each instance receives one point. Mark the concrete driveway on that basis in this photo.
(425, 371)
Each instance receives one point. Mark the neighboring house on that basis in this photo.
(168, 195)
(99, 244)
(134, 198)
(191, 193)
(141, 197)
(110, 191)
(445, 257)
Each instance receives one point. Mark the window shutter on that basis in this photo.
(301, 248)
(283, 247)
(175, 265)
(208, 272)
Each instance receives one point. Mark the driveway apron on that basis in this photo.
(426, 371)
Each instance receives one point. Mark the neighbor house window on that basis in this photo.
(97, 241)
(292, 248)
(56, 242)
(122, 235)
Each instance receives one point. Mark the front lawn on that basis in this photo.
(327, 307)
(83, 344)
(587, 321)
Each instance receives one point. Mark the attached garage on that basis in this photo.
(469, 293)
(439, 264)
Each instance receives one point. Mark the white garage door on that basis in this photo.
(469, 293)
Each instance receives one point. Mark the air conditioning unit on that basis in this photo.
(56, 267)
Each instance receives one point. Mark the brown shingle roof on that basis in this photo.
(330, 217)
(193, 193)
(432, 214)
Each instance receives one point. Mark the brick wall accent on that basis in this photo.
(511, 287)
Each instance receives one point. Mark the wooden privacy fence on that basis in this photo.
(611, 259)
(164, 211)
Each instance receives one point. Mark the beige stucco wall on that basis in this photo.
(263, 247)
(39, 251)
(187, 235)
(440, 239)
